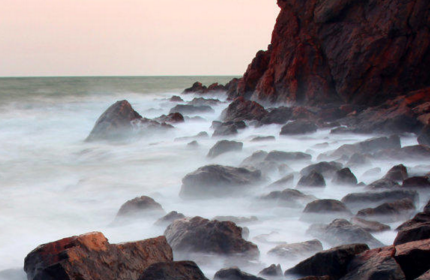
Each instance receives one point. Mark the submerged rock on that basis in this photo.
(91, 256)
(397, 173)
(191, 109)
(234, 273)
(299, 127)
(389, 212)
(314, 179)
(345, 177)
(324, 168)
(288, 198)
(370, 226)
(139, 207)
(224, 146)
(296, 251)
(169, 218)
(324, 210)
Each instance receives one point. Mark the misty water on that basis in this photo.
(54, 185)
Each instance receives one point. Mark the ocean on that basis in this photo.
(54, 185)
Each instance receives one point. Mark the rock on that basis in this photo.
(200, 101)
(169, 218)
(416, 182)
(356, 200)
(288, 198)
(333, 262)
(414, 232)
(424, 136)
(389, 212)
(244, 110)
(397, 173)
(236, 220)
(115, 123)
(225, 130)
(314, 179)
(325, 168)
(341, 232)
(176, 98)
(139, 207)
(191, 109)
(198, 235)
(185, 270)
(218, 181)
(357, 159)
(200, 135)
(273, 271)
(171, 118)
(383, 184)
(369, 226)
(425, 276)
(372, 172)
(379, 143)
(324, 210)
(284, 182)
(263, 138)
(345, 177)
(193, 144)
(196, 88)
(298, 127)
(224, 146)
(91, 256)
(413, 258)
(297, 250)
(278, 115)
(325, 277)
(416, 152)
(287, 156)
(234, 273)
(375, 264)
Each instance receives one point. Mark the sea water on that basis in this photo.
(54, 185)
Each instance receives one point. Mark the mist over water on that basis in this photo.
(54, 185)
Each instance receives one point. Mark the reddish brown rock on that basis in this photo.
(416, 182)
(244, 110)
(185, 270)
(91, 256)
(413, 258)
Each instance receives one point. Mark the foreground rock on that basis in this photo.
(413, 258)
(224, 146)
(389, 212)
(417, 228)
(218, 181)
(397, 173)
(333, 263)
(296, 251)
(342, 232)
(91, 256)
(198, 235)
(185, 270)
(234, 273)
(115, 123)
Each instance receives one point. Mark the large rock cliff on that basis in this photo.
(361, 52)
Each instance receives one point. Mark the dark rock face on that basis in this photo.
(169, 218)
(314, 179)
(384, 51)
(287, 156)
(140, 207)
(299, 127)
(199, 88)
(416, 152)
(244, 110)
(424, 137)
(398, 173)
(288, 198)
(171, 118)
(369, 226)
(90, 256)
(191, 109)
(416, 182)
(115, 123)
(383, 184)
(414, 232)
(324, 210)
(234, 273)
(200, 101)
(176, 98)
(345, 177)
(272, 271)
(278, 116)
(225, 129)
(356, 200)
(185, 270)
(341, 232)
(200, 235)
(218, 181)
(297, 250)
(224, 146)
(324, 168)
(263, 138)
(375, 264)
(413, 258)
(332, 263)
(389, 212)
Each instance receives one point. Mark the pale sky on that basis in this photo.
(132, 37)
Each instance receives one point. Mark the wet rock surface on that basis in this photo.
(184, 270)
(234, 273)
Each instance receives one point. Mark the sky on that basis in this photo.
(132, 37)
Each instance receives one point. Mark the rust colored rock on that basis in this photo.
(353, 51)
(185, 270)
(413, 258)
(91, 256)
(244, 110)
(115, 123)
(199, 235)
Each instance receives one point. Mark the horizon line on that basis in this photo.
(117, 76)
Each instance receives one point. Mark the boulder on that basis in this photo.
(383, 184)
(324, 210)
(397, 173)
(197, 87)
(184, 270)
(416, 152)
(425, 276)
(171, 118)
(314, 179)
(414, 232)
(176, 98)
(284, 182)
(333, 262)
(200, 135)
(218, 181)
(200, 101)
(341, 232)
(225, 130)
(357, 200)
(198, 235)
(413, 258)
(299, 127)
(389, 212)
(224, 146)
(288, 198)
(273, 271)
(369, 226)
(280, 115)
(244, 110)
(234, 273)
(424, 136)
(287, 156)
(169, 218)
(263, 138)
(416, 182)
(91, 256)
(139, 207)
(191, 109)
(115, 123)
(345, 177)
(296, 251)
(325, 168)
